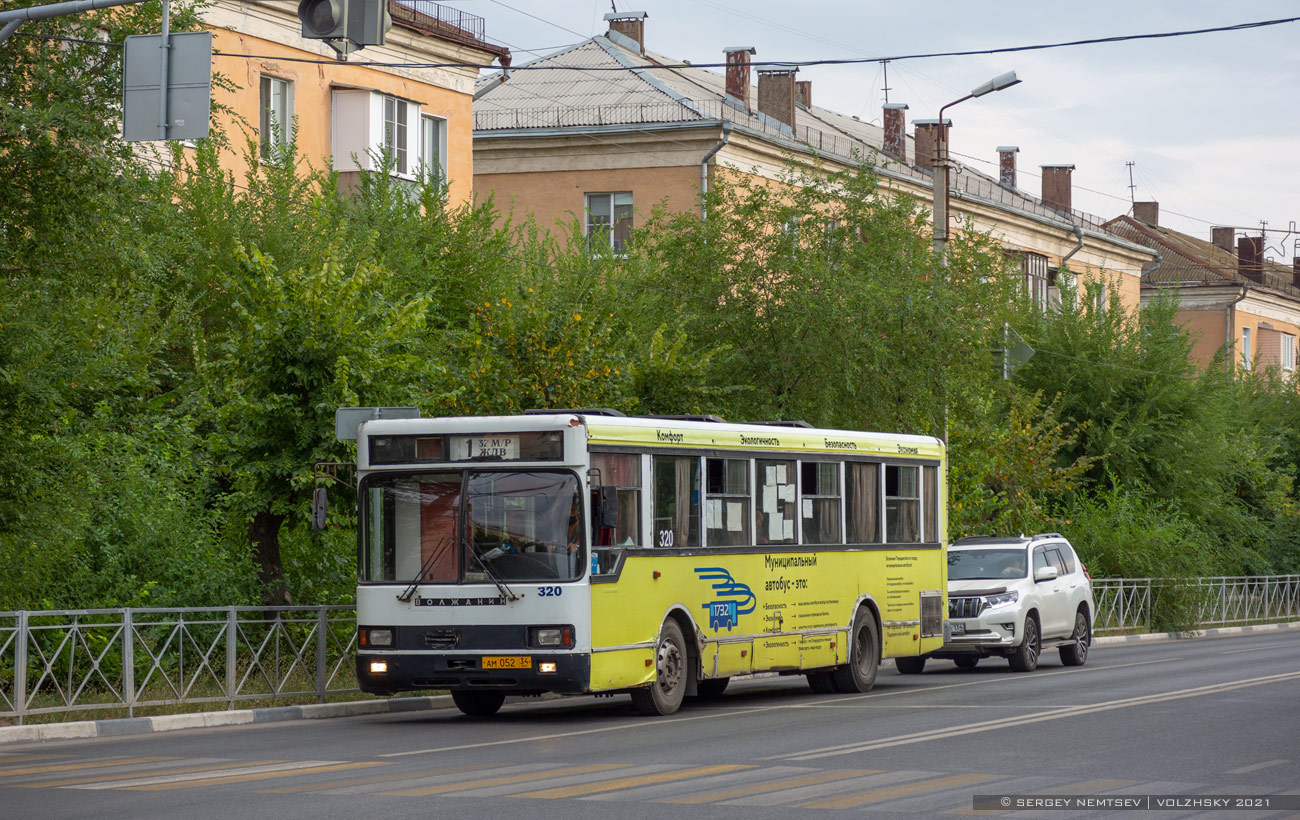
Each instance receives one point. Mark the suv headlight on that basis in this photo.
(1001, 599)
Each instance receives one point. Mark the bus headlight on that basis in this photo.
(547, 667)
(553, 637)
(376, 637)
(379, 667)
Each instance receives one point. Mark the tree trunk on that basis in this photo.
(264, 535)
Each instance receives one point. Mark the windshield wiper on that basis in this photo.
(505, 591)
(409, 593)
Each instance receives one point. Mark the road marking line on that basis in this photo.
(955, 731)
(199, 765)
(1268, 648)
(366, 781)
(816, 778)
(628, 782)
(876, 795)
(316, 767)
(14, 757)
(656, 724)
(72, 767)
(248, 766)
(502, 780)
(640, 724)
(1265, 765)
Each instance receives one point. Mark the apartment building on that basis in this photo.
(602, 131)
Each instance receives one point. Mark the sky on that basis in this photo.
(1209, 121)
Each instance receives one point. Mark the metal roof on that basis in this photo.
(556, 98)
(1188, 260)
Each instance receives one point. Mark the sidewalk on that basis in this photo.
(198, 720)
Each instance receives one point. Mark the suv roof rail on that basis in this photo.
(688, 417)
(1046, 535)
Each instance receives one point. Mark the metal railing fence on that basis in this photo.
(115, 661)
(1173, 605)
(121, 660)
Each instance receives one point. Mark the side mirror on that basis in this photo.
(1045, 574)
(319, 507)
(605, 515)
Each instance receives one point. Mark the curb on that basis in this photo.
(120, 727)
(1119, 640)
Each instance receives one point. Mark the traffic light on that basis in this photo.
(361, 22)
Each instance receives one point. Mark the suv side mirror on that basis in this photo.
(1045, 574)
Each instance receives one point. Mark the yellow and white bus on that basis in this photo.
(586, 552)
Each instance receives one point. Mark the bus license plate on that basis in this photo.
(507, 662)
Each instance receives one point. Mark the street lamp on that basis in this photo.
(941, 158)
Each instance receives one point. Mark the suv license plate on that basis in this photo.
(508, 662)
(958, 629)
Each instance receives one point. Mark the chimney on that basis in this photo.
(629, 25)
(1250, 258)
(1007, 165)
(895, 143)
(738, 75)
(803, 93)
(927, 136)
(1148, 213)
(776, 94)
(1224, 238)
(1056, 187)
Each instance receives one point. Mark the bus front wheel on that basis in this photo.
(664, 695)
(859, 674)
(477, 703)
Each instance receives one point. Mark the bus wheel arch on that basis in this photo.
(673, 670)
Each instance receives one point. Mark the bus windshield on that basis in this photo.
(973, 565)
(467, 527)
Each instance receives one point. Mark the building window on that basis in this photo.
(1245, 348)
(1288, 352)
(395, 134)
(1033, 269)
(1101, 297)
(365, 126)
(609, 220)
(433, 146)
(276, 106)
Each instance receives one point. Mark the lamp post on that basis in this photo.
(941, 159)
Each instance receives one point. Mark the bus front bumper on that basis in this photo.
(384, 673)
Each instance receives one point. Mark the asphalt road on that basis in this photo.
(1187, 719)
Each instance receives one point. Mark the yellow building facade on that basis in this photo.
(345, 113)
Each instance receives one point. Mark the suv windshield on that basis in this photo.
(521, 526)
(984, 564)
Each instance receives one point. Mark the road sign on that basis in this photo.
(189, 87)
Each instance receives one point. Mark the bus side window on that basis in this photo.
(620, 478)
(676, 501)
(820, 487)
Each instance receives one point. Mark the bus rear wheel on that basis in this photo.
(859, 675)
(477, 703)
(664, 695)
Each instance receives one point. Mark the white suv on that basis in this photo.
(1014, 597)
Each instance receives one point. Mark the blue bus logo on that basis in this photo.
(731, 598)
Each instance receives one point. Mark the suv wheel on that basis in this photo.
(910, 665)
(1076, 652)
(1025, 658)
